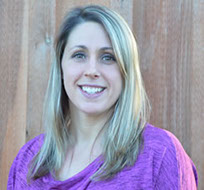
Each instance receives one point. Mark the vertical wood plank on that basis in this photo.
(197, 90)
(164, 33)
(13, 58)
(170, 37)
(40, 53)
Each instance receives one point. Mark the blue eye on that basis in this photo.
(79, 55)
(108, 58)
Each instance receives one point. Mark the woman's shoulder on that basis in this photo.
(31, 147)
(164, 142)
(28, 151)
(19, 168)
(169, 156)
(160, 138)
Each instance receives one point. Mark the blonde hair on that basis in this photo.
(123, 134)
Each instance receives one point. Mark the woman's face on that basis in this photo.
(91, 75)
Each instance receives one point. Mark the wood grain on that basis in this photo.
(13, 84)
(164, 39)
(197, 90)
(40, 51)
(170, 38)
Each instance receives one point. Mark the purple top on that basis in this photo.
(163, 164)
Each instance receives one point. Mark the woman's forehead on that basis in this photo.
(89, 34)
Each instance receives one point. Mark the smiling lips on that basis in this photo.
(91, 91)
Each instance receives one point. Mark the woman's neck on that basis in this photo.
(87, 128)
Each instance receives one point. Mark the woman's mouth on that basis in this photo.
(91, 91)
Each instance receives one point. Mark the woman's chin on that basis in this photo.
(92, 112)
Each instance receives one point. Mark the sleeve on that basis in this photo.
(177, 170)
(18, 171)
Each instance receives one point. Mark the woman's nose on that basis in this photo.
(91, 69)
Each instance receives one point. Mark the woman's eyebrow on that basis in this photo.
(79, 46)
(106, 48)
(84, 47)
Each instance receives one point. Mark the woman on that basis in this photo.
(95, 115)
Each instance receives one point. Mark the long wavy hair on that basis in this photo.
(123, 132)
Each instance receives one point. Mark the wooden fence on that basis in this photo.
(170, 36)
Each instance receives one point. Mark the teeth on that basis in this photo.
(91, 90)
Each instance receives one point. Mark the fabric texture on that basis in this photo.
(163, 164)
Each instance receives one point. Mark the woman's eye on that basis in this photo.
(108, 58)
(79, 56)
